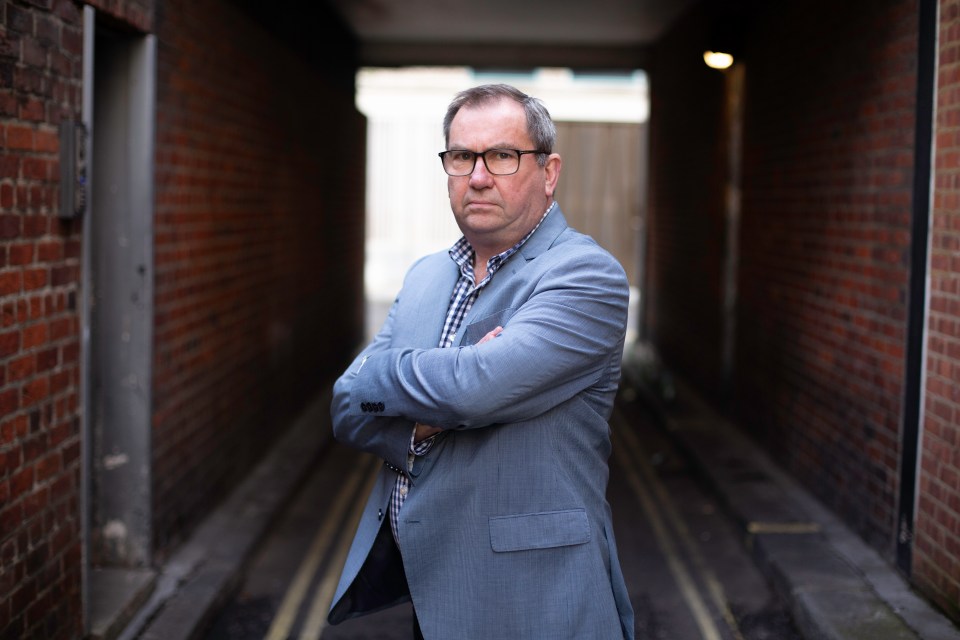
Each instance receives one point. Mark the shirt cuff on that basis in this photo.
(421, 448)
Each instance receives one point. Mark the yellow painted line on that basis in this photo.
(783, 527)
(317, 617)
(714, 588)
(688, 589)
(287, 614)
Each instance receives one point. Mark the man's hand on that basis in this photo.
(490, 336)
(423, 431)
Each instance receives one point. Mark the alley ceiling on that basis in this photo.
(507, 33)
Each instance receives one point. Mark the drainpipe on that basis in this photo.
(86, 269)
(917, 302)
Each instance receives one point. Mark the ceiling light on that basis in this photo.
(717, 59)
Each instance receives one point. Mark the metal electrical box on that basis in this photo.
(73, 169)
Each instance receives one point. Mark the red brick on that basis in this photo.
(50, 251)
(35, 447)
(71, 454)
(34, 335)
(61, 328)
(34, 502)
(35, 391)
(13, 460)
(35, 279)
(32, 110)
(11, 514)
(6, 196)
(22, 367)
(14, 428)
(35, 169)
(64, 275)
(46, 5)
(19, 137)
(47, 31)
(71, 249)
(47, 359)
(9, 226)
(20, 254)
(22, 481)
(11, 282)
(10, 47)
(32, 309)
(59, 382)
(41, 201)
(27, 587)
(71, 354)
(19, 20)
(35, 226)
(33, 55)
(48, 467)
(10, 342)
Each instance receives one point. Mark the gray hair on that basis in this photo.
(540, 125)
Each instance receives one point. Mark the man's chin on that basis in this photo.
(478, 218)
(480, 209)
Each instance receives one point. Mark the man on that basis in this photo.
(487, 394)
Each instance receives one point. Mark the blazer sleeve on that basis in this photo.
(387, 437)
(564, 338)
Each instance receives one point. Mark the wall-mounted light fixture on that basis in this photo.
(726, 29)
(717, 59)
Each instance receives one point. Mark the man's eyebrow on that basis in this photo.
(499, 145)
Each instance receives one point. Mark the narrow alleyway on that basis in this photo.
(687, 570)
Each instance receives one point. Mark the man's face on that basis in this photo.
(495, 212)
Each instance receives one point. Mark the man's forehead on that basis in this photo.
(499, 120)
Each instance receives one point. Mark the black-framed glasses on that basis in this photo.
(499, 162)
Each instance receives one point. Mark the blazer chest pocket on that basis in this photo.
(539, 530)
(476, 330)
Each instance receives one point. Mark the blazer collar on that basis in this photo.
(544, 237)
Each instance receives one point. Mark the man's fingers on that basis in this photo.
(424, 431)
(490, 336)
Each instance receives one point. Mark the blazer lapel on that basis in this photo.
(425, 302)
(542, 239)
(489, 301)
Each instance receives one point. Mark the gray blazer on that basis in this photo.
(506, 532)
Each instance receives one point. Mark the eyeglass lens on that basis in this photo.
(497, 161)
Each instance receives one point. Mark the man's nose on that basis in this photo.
(480, 174)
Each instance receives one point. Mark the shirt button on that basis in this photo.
(403, 491)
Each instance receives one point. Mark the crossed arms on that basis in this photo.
(562, 339)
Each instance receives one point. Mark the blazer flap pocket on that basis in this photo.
(539, 530)
(476, 330)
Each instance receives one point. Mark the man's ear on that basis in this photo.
(552, 173)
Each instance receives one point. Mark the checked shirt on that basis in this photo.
(461, 300)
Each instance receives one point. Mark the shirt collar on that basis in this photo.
(462, 251)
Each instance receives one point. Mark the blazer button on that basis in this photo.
(379, 514)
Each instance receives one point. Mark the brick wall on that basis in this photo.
(827, 202)
(258, 229)
(936, 557)
(827, 183)
(40, 53)
(259, 226)
(134, 14)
